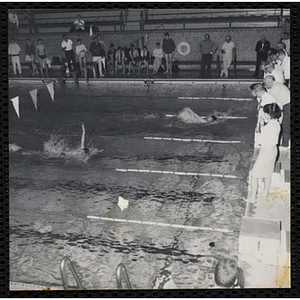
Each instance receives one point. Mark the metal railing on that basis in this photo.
(122, 275)
(66, 261)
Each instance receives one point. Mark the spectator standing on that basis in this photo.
(286, 41)
(67, 46)
(264, 164)
(31, 21)
(103, 55)
(14, 52)
(168, 47)
(228, 51)
(263, 98)
(262, 48)
(120, 58)
(30, 52)
(111, 57)
(13, 21)
(79, 24)
(81, 50)
(272, 56)
(98, 52)
(269, 69)
(286, 25)
(282, 95)
(158, 55)
(207, 48)
(42, 55)
(285, 64)
(145, 57)
(282, 45)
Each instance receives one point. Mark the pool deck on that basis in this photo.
(276, 209)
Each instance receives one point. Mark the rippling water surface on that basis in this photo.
(52, 192)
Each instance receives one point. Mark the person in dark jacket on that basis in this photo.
(168, 47)
(262, 48)
(30, 55)
(207, 49)
(98, 49)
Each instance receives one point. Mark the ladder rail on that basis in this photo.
(121, 268)
(66, 261)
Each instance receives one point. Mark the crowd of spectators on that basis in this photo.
(104, 60)
(135, 56)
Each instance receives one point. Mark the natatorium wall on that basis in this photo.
(245, 40)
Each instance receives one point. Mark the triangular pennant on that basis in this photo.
(91, 30)
(51, 90)
(33, 95)
(15, 102)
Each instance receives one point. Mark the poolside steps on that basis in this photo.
(276, 207)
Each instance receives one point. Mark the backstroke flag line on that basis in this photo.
(15, 102)
(51, 90)
(33, 95)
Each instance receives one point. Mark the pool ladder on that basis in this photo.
(66, 261)
(121, 274)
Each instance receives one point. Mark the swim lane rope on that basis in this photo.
(215, 98)
(187, 227)
(179, 173)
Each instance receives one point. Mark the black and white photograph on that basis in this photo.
(149, 149)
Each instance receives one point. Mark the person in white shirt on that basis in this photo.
(263, 98)
(14, 52)
(285, 64)
(286, 41)
(281, 93)
(269, 69)
(282, 46)
(264, 164)
(81, 50)
(158, 55)
(13, 21)
(79, 24)
(228, 51)
(67, 46)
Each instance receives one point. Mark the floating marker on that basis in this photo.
(160, 224)
(179, 173)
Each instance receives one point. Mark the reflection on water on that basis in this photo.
(54, 186)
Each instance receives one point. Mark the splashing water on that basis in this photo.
(14, 147)
(58, 146)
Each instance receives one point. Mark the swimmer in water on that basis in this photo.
(86, 150)
(228, 274)
(188, 116)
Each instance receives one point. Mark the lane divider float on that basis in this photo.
(215, 98)
(220, 117)
(179, 173)
(191, 140)
(188, 227)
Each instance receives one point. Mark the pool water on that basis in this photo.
(53, 192)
